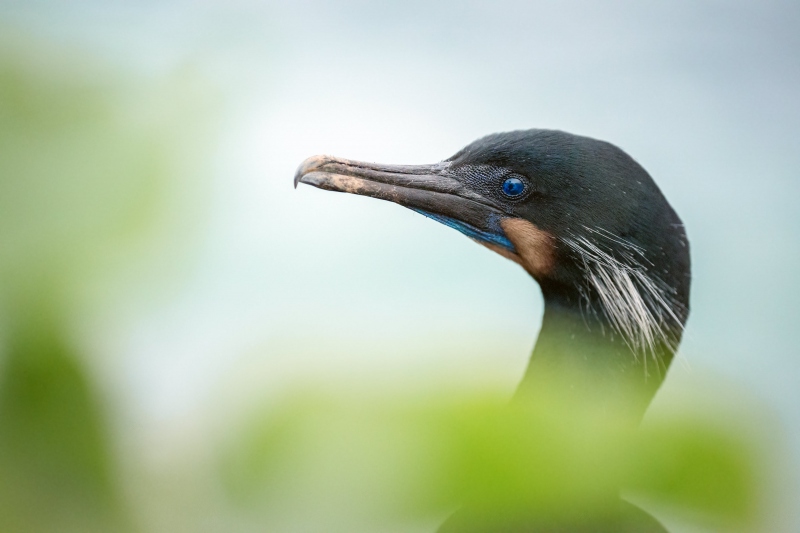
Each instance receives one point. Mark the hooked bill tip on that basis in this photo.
(310, 165)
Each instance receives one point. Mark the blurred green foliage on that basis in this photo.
(556, 456)
(56, 467)
(56, 470)
(86, 159)
(704, 467)
(76, 175)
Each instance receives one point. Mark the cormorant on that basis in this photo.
(588, 223)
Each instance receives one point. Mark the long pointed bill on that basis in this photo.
(426, 189)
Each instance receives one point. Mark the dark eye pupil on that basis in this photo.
(513, 187)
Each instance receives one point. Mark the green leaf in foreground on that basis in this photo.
(547, 457)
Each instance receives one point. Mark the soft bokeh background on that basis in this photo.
(202, 284)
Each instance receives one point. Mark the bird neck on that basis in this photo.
(582, 354)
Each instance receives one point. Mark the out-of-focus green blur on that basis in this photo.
(555, 457)
(88, 167)
(102, 187)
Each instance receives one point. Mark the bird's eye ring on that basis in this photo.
(513, 187)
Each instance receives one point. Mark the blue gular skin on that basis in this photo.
(497, 237)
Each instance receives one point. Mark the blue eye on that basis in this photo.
(513, 187)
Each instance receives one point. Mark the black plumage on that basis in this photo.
(587, 222)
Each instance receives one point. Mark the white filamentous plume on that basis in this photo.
(637, 304)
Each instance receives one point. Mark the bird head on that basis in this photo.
(579, 215)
